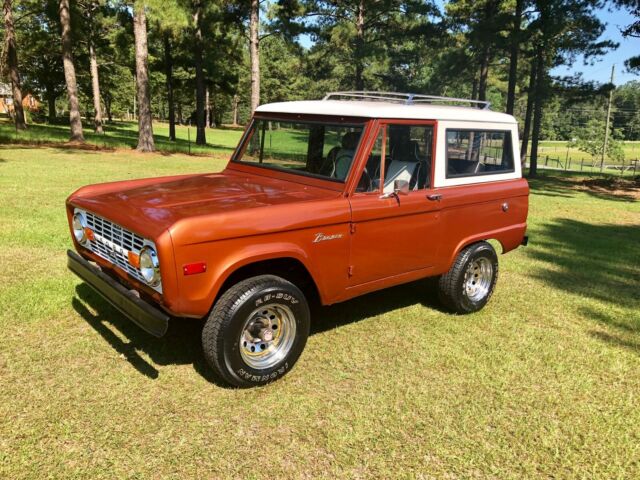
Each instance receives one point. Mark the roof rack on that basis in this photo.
(404, 98)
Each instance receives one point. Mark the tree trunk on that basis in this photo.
(474, 88)
(107, 107)
(540, 93)
(528, 113)
(484, 74)
(168, 68)
(201, 138)
(51, 102)
(207, 108)
(359, 47)
(12, 64)
(254, 53)
(95, 87)
(70, 73)
(214, 111)
(236, 101)
(513, 60)
(145, 127)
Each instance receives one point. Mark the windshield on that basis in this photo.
(322, 150)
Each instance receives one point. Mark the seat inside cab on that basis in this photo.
(408, 157)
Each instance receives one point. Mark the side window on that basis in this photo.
(411, 150)
(478, 152)
(407, 151)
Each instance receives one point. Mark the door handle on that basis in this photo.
(435, 197)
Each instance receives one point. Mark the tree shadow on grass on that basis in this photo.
(595, 261)
(182, 343)
(604, 188)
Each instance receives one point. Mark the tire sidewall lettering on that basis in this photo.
(270, 296)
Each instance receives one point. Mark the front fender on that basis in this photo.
(223, 258)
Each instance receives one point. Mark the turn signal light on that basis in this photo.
(134, 259)
(194, 268)
(89, 234)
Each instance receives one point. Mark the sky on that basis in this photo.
(600, 70)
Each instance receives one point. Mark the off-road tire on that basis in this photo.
(223, 329)
(452, 285)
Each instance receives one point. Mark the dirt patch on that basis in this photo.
(623, 187)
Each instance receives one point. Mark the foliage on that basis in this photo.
(460, 50)
(591, 140)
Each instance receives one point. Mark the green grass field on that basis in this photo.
(543, 383)
(124, 135)
(559, 150)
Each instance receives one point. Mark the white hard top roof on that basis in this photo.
(381, 109)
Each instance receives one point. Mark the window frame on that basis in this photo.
(478, 174)
(250, 131)
(382, 123)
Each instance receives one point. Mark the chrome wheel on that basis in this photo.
(477, 279)
(267, 336)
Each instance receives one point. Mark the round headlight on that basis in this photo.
(78, 227)
(149, 266)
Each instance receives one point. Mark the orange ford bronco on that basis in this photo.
(321, 201)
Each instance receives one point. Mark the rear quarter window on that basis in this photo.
(478, 152)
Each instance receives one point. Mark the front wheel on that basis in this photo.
(469, 284)
(256, 331)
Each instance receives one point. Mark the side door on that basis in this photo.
(395, 234)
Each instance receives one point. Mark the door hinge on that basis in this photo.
(350, 271)
(352, 228)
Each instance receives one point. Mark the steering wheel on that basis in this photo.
(365, 183)
(328, 167)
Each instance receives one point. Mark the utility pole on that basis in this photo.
(606, 130)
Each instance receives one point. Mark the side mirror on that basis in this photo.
(401, 187)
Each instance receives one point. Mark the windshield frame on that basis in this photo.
(265, 169)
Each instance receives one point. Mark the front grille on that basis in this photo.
(113, 243)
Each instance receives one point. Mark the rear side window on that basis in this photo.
(478, 152)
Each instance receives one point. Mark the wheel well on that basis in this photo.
(494, 242)
(288, 268)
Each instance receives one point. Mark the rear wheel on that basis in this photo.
(256, 331)
(469, 284)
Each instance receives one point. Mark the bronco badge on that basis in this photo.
(321, 237)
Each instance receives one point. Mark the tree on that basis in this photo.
(12, 64)
(352, 35)
(632, 30)
(145, 127)
(590, 139)
(198, 48)
(626, 101)
(254, 53)
(514, 53)
(42, 70)
(91, 10)
(482, 22)
(562, 29)
(70, 73)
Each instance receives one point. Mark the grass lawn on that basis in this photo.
(559, 150)
(124, 135)
(544, 382)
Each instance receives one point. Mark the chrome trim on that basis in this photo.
(155, 265)
(113, 243)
